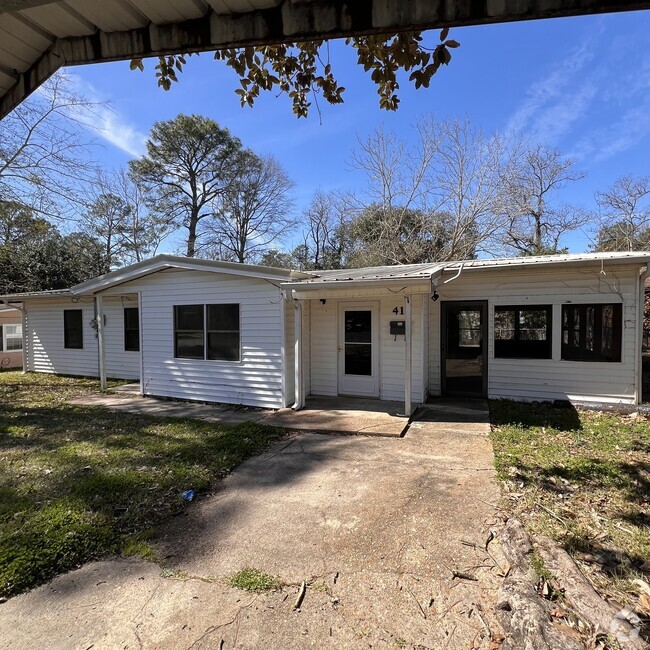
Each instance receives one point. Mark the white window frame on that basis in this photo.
(18, 334)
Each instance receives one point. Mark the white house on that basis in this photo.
(563, 327)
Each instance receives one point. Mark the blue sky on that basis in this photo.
(579, 84)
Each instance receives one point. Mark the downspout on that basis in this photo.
(298, 380)
(638, 371)
(460, 270)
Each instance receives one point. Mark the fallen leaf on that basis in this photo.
(644, 601)
(565, 629)
(642, 585)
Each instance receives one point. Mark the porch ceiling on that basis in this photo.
(37, 37)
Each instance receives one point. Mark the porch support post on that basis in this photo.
(408, 361)
(298, 382)
(99, 311)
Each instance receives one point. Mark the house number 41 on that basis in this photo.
(399, 311)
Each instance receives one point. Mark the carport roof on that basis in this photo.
(37, 37)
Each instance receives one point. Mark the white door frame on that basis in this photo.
(358, 385)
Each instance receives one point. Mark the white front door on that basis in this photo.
(358, 349)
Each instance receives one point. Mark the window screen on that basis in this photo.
(73, 337)
(13, 337)
(189, 332)
(523, 332)
(592, 332)
(131, 329)
(223, 332)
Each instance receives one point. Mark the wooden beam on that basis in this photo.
(288, 22)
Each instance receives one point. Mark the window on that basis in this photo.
(73, 337)
(206, 332)
(131, 329)
(223, 332)
(523, 332)
(11, 338)
(469, 328)
(189, 332)
(592, 332)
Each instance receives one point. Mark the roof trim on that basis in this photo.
(38, 295)
(350, 284)
(163, 262)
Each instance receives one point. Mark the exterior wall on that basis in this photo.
(256, 380)
(324, 333)
(12, 359)
(548, 379)
(44, 338)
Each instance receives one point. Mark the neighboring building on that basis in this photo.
(11, 338)
(565, 327)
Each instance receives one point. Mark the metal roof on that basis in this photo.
(37, 37)
(289, 279)
(54, 293)
(418, 272)
(166, 262)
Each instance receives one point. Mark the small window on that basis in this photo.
(73, 337)
(189, 328)
(131, 329)
(223, 332)
(12, 338)
(523, 332)
(592, 332)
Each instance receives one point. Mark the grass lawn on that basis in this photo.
(80, 483)
(583, 478)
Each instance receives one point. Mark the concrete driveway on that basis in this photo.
(375, 525)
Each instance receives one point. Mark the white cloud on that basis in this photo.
(550, 106)
(105, 121)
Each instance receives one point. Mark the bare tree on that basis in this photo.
(625, 215)
(146, 229)
(323, 235)
(535, 221)
(117, 215)
(445, 189)
(252, 213)
(466, 184)
(43, 159)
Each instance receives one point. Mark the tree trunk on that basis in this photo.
(191, 233)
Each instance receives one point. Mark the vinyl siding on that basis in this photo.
(548, 379)
(45, 351)
(323, 341)
(256, 380)
(324, 333)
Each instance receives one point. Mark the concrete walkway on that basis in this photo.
(375, 525)
(321, 414)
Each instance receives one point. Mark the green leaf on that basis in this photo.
(444, 33)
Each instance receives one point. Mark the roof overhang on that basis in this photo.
(170, 262)
(391, 283)
(37, 37)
